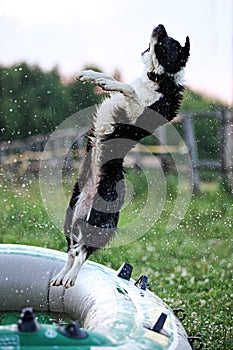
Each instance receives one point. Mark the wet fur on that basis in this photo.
(98, 195)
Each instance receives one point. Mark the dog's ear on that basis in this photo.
(187, 46)
(185, 52)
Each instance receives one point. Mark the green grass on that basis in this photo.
(191, 267)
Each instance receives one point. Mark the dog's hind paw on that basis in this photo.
(70, 278)
(57, 280)
(68, 282)
(64, 281)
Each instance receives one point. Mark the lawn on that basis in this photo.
(190, 267)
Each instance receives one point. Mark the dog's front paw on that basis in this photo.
(113, 85)
(90, 75)
(108, 85)
(86, 75)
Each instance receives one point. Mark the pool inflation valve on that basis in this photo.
(158, 326)
(125, 271)
(27, 321)
(142, 282)
(73, 331)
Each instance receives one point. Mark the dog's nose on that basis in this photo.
(159, 31)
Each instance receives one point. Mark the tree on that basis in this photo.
(33, 101)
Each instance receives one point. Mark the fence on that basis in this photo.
(225, 136)
(19, 157)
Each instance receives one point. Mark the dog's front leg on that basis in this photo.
(114, 85)
(106, 82)
(133, 106)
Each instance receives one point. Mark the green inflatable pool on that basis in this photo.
(115, 311)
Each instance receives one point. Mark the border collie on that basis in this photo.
(120, 122)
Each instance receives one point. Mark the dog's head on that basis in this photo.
(165, 54)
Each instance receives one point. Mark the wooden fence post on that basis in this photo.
(191, 143)
(227, 149)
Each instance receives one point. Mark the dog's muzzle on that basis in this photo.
(159, 32)
(147, 50)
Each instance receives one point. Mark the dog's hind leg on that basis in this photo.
(57, 280)
(69, 279)
(73, 250)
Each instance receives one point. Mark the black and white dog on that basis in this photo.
(119, 123)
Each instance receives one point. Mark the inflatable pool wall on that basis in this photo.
(115, 311)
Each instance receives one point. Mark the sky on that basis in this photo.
(111, 34)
